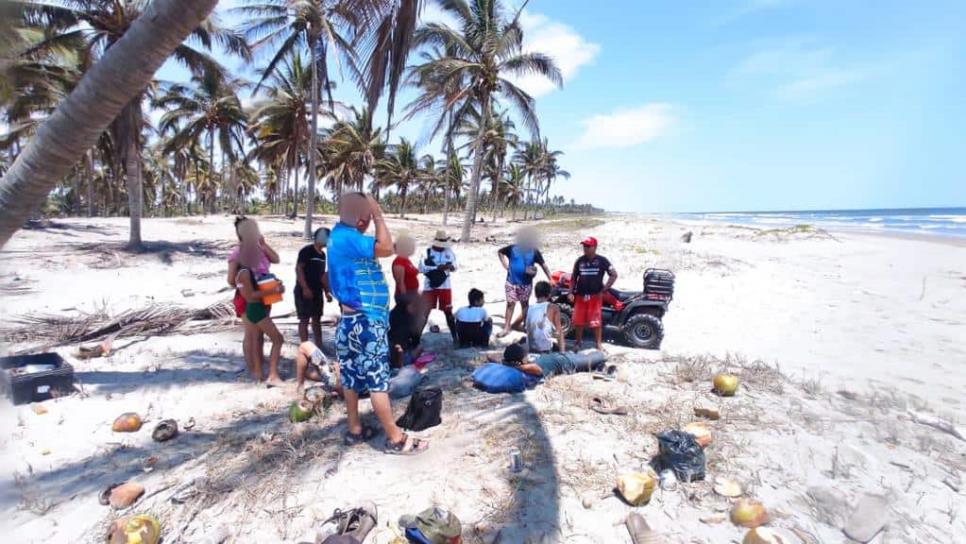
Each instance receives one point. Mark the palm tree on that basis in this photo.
(471, 66)
(293, 25)
(117, 77)
(450, 174)
(352, 149)
(400, 168)
(498, 140)
(551, 170)
(513, 187)
(209, 109)
(531, 161)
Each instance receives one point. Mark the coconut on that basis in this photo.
(727, 488)
(749, 513)
(637, 487)
(300, 411)
(701, 433)
(725, 384)
(135, 530)
(127, 423)
(764, 535)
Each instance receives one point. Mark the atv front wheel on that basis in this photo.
(644, 331)
(566, 320)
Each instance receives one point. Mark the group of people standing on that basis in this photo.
(369, 338)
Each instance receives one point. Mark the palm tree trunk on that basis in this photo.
(313, 144)
(445, 203)
(124, 70)
(89, 166)
(295, 192)
(402, 201)
(472, 199)
(132, 173)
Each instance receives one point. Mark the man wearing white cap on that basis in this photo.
(436, 266)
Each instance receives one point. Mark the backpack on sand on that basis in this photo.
(423, 410)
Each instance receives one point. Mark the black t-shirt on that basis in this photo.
(314, 267)
(589, 274)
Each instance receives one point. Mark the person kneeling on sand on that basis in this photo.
(473, 324)
(312, 364)
(405, 326)
(361, 339)
(543, 322)
(548, 364)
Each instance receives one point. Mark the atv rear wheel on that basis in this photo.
(643, 331)
(566, 319)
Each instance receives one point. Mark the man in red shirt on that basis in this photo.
(586, 289)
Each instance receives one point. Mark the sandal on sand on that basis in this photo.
(360, 521)
(605, 407)
(367, 434)
(105, 497)
(165, 430)
(408, 446)
(639, 530)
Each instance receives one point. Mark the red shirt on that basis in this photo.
(410, 276)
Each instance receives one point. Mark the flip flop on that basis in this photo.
(640, 531)
(606, 408)
(360, 521)
(165, 430)
(408, 446)
(367, 434)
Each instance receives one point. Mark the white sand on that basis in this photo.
(879, 317)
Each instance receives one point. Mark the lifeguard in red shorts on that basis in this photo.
(587, 287)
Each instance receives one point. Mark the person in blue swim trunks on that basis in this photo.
(357, 282)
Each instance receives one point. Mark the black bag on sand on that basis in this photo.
(423, 410)
(682, 454)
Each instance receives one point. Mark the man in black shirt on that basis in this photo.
(587, 288)
(313, 283)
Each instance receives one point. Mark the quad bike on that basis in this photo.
(637, 314)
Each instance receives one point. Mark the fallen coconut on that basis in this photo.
(125, 495)
(707, 411)
(749, 513)
(637, 487)
(300, 411)
(701, 433)
(127, 423)
(727, 488)
(141, 529)
(764, 535)
(725, 384)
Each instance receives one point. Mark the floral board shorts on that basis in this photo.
(517, 293)
(363, 349)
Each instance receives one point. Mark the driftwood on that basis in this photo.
(938, 424)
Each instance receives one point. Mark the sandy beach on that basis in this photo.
(845, 343)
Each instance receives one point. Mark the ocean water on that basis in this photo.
(935, 221)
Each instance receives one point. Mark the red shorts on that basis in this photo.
(587, 311)
(439, 298)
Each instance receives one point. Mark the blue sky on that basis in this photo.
(752, 104)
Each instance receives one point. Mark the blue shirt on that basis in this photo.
(520, 259)
(355, 277)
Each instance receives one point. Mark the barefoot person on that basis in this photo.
(313, 285)
(361, 339)
(269, 257)
(543, 323)
(257, 318)
(586, 289)
(312, 364)
(437, 265)
(520, 261)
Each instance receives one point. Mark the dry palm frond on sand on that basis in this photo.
(156, 319)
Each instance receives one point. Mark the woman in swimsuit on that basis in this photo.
(257, 318)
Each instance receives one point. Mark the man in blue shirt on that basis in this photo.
(520, 260)
(357, 282)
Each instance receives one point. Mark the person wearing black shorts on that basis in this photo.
(313, 285)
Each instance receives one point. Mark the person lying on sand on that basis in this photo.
(548, 364)
(361, 339)
(405, 327)
(543, 322)
(257, 317)
(312, 364)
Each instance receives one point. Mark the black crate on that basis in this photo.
(24, 385)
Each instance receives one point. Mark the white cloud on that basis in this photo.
(563, 44)
(626, 127)
(796, 69)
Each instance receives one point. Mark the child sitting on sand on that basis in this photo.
(311, 363)
(405, 326)
(473, 323)
(544, 332)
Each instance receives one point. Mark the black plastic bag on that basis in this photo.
(680, 452)
(423, 411)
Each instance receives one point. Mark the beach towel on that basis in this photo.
(499, 378)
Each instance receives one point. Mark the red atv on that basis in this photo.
(637, 314)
